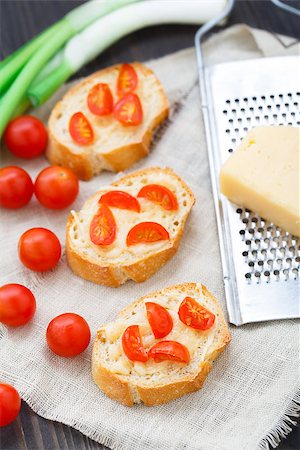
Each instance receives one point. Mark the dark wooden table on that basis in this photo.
(20, 21)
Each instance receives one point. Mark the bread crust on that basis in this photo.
(114, 275)
(150, 396)
(117, 159)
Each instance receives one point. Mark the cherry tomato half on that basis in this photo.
(120, 199)
(17, 305)
(169, 350)
(39, 249)
(56, 187)
(146, 232)
(132, 344)
(68, 335)
(160, 319)
(127, 80)
(100, 100)
(129, 110)
(16, 187)
(10, 404)
(80, 129)
(194, 315)
(159, 194)
(26, 137)
(103, 227)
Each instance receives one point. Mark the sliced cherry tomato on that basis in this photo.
(39, 249)
(132, 344)
(129, 110)
(100, 100)
(127, 80)
(120, 199)
(80, 129)
(103, 227)
(160, 319)
(16, 187)
(146, 232)
(194, 315)
(68, 335)
(159, 194)
(56, 187)
(10, 404)
(17, 305)
(26, 137)
(169, 350)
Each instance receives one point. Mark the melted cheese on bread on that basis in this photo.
(125, 220)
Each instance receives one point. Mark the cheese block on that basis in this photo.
(153, 382)
(263, 175)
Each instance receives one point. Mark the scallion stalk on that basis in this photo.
(86, 45)
(72, 23)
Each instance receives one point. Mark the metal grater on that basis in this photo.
(260, 261)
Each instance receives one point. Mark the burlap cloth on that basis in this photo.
(250, 398)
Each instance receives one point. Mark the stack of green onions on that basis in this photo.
(33, 73)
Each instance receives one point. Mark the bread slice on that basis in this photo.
(153, 383)
(114, 264)
(116, 147)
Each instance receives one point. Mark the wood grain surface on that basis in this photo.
(20, 21)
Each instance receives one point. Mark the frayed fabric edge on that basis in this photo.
(284, 426)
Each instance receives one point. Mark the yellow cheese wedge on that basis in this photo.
(263, 175)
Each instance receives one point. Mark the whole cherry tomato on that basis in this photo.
(39, 249)
(16, 187)
(159, 194)
(26, 137)
(10, 404)
(146, 232)
(132, 344)
(169, 350)
(68, 335)
(120, 199)
(194, 315)
(56, 187)
(17, 305)
(160, 319)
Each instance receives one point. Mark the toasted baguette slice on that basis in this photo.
(153, 383)
(112, 265)
(116, 147)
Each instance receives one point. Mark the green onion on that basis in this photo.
(86, 45)
(72, 23)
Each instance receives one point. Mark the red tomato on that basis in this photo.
(100, 100)
(132, 344)
(68, 335)
(194, 315)
(39, 249)
(56, 187)
(169, 350)
(26, 137)
(146, 232)
(129, 110)
(159, 319)
(159, 194)
(10, 404)
(127, 80)
(16, 187)
(80, 129)
(103, 227)
(120, 199)
(17, 305)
